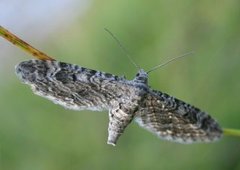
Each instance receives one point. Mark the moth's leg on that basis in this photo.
(119, 118)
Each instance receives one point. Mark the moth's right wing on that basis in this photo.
(174, 120)
(70, 85)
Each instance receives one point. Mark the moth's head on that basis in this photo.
(141, 77)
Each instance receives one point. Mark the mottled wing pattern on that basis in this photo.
(79, 88)
(70, 85)
(174, 120)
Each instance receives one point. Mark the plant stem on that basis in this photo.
(23, 45)
(231, 132)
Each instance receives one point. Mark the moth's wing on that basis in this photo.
(70, 85)
(174, 120)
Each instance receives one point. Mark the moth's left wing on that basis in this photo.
(71, 86)
(81, 88)
(174, 120)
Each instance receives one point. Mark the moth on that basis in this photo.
(78, 88)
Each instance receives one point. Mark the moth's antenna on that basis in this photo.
(169, 61)
(123, 48)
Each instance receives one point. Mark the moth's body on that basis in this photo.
(79, 88)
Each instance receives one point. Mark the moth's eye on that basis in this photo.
(137, 74)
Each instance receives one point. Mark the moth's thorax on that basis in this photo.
(141, 77)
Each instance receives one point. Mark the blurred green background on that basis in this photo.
(36, 134)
